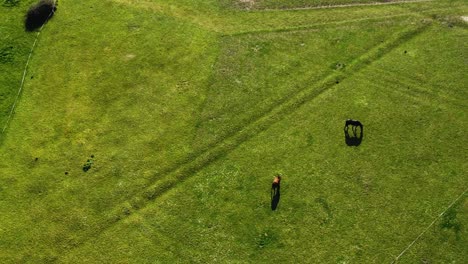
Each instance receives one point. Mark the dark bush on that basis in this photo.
(87, 165)
(11, 3)
(39, 13)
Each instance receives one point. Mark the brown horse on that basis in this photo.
(276, 182)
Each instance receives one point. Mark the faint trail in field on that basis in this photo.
(10, 115)
(156, 236)
(342, 5)
(417, 91)
(410, 88)
(415, 14)
(213, 21)
(254, 126)
(206, 92)
(427, 228)
(312, 26)
(340, 22)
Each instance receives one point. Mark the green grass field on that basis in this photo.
(185, 111)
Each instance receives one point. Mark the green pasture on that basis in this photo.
(185, 110)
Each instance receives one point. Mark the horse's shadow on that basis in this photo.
(275, 197)
(354, 140)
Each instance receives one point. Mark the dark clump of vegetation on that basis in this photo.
(6, 54)
(10, 3)
(88, 164)
(265, 238)
(39, 13)
(450, 221)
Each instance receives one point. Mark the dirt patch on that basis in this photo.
(247, 3)
(464, 18)
(129, 57)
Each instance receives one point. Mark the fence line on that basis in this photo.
(20, 89)
(429, 226)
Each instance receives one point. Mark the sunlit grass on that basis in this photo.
(183, 112)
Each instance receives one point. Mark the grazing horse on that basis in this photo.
(275, 186)
(354, 124)
(276, 182)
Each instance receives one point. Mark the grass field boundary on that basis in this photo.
(20, 89)
(429, 226)
(397, 2)
(231, 140)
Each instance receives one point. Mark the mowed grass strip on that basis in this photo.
(338, 203)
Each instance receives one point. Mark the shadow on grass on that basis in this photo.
(354, 140)
(275, 197)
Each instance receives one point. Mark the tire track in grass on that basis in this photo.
(236, 137)
(155, 236)
(415, 90)
(214, 22)
(426, 13)
(396, 2)
(312, 26)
